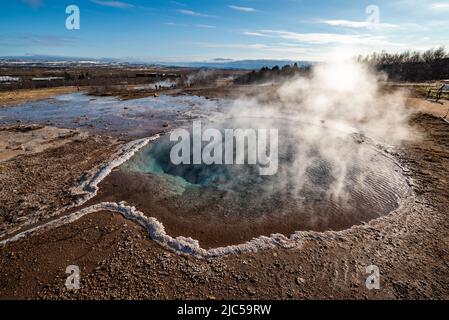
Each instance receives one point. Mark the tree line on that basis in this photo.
(266, 74)
(432, 64)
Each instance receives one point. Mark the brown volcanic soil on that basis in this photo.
(410, 246)
(51, 161)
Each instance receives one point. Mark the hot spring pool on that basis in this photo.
(326, 180)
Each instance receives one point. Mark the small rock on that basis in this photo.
(300, 280)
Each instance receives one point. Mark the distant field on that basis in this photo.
(18, 96)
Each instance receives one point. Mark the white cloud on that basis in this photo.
(243, 9)
(206, 26)
(328, 38)
(174, 24)
(263, 51)
(232, 45)
(356, 24)
(114, 4)
(192, 13)
(440, 5)
(256, 34)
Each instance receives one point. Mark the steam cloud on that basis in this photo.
(324, 121)
(200, 76)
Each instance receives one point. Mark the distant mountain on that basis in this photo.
(47, 58)
(219, 63)
(239, 64)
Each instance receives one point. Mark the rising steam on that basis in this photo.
(324, 120)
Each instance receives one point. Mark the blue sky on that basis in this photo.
(198, 30)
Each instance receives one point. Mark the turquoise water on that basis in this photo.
(315, 188)
(305, 184)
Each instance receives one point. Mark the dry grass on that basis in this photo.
(18, 96)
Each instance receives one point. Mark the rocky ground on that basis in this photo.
(39, 166)
(117, 260)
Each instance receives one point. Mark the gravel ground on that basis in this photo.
(35, 185)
